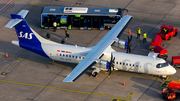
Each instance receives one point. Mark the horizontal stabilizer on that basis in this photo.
(13, 22)
(23, 13)
(15, 19)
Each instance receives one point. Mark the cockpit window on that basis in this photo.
(161, 65)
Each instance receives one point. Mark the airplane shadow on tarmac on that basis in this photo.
(148, 86)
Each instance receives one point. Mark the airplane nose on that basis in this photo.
(173, 70)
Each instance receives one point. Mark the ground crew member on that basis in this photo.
(55, 25)
(48, 36)
(144, 37)
(129, 42)
(165, 30)
(138, 33)
(67, 34)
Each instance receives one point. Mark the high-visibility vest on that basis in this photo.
(139, 31)
(144, 35)
(165, 30)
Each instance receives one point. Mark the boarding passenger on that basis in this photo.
(48, 36)
(55, 26)
(144, 37)
(62, 42)
(67, 33)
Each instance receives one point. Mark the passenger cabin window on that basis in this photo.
(73, 56)
(120, 63)
(161, 65)
(76, 56)
(129, 64)
(69, 55)
(66, 55)
(59, 54)
(79, 57)
(126, 64)
(63, 55)
(116, 62)
(123, 63)
(83, 57)
(133, 65)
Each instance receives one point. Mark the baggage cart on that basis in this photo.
(176, 61)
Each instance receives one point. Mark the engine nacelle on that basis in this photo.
(101, 64)
(120, 43)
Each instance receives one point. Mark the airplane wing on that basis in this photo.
(98, 50)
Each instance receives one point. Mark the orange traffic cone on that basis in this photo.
(6, 55)
(66, 74)
(124, 83)
(130, 31)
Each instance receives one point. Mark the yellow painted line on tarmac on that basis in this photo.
(157, 21)
(37, 5)
(63, 89)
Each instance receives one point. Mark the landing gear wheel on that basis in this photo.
(95, 74)
(164, 77)
(169, 38)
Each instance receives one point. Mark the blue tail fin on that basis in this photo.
(28, 38)
(24, 32)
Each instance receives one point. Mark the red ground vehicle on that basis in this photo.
(170, 91)
(167, 32)
(162, 52)
(176, 61)
(156, 40)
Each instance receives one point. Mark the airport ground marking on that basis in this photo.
(37, 5)
(118, 100)
(26, 84)
(6, 5)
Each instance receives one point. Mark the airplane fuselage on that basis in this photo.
(123, 61)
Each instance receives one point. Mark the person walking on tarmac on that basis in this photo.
(129, 42)
(144, 37)
(62, 42)
(67, 34)
(54, 25)
(48, 36)
(138, 33)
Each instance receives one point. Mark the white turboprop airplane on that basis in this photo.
(96, 57)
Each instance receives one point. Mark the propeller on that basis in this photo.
(111, 64)
(129, 42)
